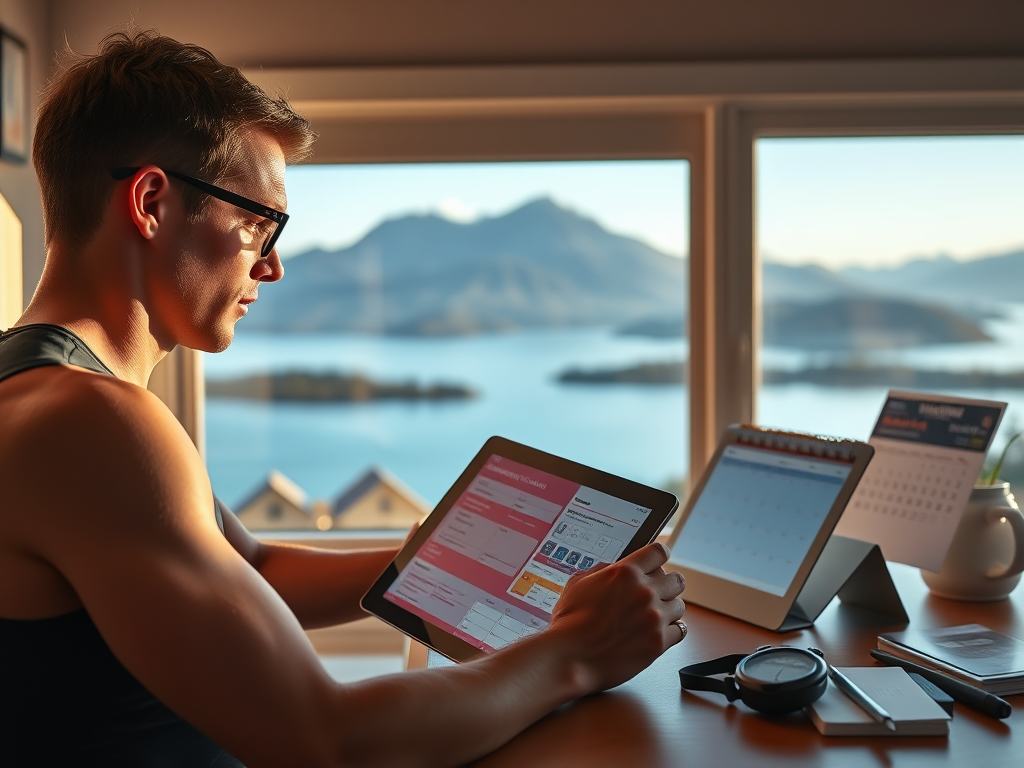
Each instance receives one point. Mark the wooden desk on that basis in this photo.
(649, 722)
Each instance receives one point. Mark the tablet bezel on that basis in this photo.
(749, 603)
(661, 503)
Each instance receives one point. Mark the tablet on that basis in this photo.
(755, 524)
(489, 563)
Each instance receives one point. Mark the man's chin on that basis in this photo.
(223, 341)
(220, 347)
(214, 340)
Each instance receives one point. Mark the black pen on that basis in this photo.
(987, 703)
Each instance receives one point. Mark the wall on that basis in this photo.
(29, 21)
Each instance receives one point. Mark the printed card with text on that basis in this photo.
(929, 451)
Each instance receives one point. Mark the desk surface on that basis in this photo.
(649, 722)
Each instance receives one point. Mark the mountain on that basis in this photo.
(962, 284)
(924, 301)
(544, 266)
(539, 266)
(863, 324)
(810, 283)
(970, 283)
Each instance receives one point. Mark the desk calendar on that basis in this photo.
(929, 451)
(754, 540)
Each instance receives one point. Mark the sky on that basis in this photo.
(871, 202)
(880, 202)
(334, 206)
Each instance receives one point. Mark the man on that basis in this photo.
(139, 625)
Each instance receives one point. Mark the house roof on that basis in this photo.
(277, 483)
(370, 479)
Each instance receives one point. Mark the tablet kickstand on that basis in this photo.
(856, 572)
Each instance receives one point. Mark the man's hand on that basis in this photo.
(621, 617)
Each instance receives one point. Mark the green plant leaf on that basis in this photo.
(990, 478)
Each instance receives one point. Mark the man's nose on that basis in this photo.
(268, 269)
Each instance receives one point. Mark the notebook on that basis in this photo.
(913, 710)
(973, 653)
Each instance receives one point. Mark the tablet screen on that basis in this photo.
(492, 570)
(760, 511)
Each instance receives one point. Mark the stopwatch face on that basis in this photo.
(780, 666)
(779, 680)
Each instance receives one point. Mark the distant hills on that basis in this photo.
(865, 323)
(545, 266)
(810, 283)
(966, 285)
(539, 266)
(960, 283)
(937, 301)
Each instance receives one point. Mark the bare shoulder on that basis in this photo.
(90, 448)
(62, 391)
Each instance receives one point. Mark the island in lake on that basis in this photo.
(673, 372)
(896, 376)
(850, 375)
(856, 323)
(301, 386)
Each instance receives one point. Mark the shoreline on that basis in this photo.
(673, 373)
(303, 386)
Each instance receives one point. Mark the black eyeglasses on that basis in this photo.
(279, 218)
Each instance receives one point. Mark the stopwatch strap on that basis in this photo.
(696, 677)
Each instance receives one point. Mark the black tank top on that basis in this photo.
(65, 699)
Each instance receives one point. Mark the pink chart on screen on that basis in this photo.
(494, 568)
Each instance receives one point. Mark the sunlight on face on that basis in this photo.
(221, 273)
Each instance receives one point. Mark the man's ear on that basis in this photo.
(147, 200)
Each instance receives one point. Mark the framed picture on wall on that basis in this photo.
(13, 99)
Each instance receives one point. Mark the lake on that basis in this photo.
(637, 431)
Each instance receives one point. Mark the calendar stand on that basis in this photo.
(856, 572)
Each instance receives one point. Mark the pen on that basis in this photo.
(984, 702)
(865, 702)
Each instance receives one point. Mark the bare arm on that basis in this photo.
(322, 587)
(198, 626)
(608, 625)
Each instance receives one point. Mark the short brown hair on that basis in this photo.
(146, 98)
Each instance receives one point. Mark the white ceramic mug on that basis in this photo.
(986, 557)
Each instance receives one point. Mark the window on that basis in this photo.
(888, 262)
(426, 307)
(10, 266)
(710, 115)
